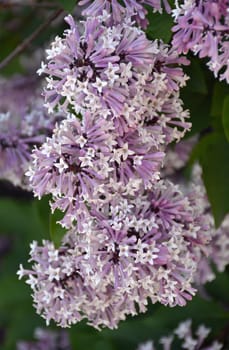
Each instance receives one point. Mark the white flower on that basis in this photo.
(61, 165)
(146, 346)
(42, 69)
(189, 343)
(20, 272)
(99, 84)
(110, 73)
(53, 273)
(32, 281)
(183, 329)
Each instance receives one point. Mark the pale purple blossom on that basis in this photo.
(125, 89)
(203, 27)
(85, 162)
(117, 71)
(46, 340)
(217, 252)
(24, 123)
(73, 163)
(186, 337)
(132, 8)
(92, 68)
(131, 237)
(178, 156)
(127, 251)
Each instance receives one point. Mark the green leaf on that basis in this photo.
(26, 224)
(22, 324)
(199, 107)
(218, 288)
(20, 221)
(225, 116)
(159, 26)
(213, 155)
(197, 82)
(43, 210)
(56, 230)
(68, 5)
(50, 221)
(221, 90)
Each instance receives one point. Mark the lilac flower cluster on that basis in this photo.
(116, 70)
(46, 340)
(190, 340)
(217, 253)
(126, 89)
(129, 250)
(203, 27)
(86, 162)
(131, 237)
(133, 9)
(178, 156)
(23, 123)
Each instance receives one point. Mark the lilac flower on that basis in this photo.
(23, 124)
(133, 8)
(131, 236)
(93, 68)
(126, 90)
(190, 340)
(21, 87)
(77, 164)
(217, 252)
(85, 162)
(203, 27)
(177, 157)
(46, 340)
(117, 71)
(220, 246)
(130, 249)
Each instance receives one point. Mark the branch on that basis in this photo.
(6, 4)
(22, 46)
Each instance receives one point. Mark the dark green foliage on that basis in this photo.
(225, 116)
(159, 26)
(213, 156)
(68, 5)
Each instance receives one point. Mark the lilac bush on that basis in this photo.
(131, 237)
(105, 142)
